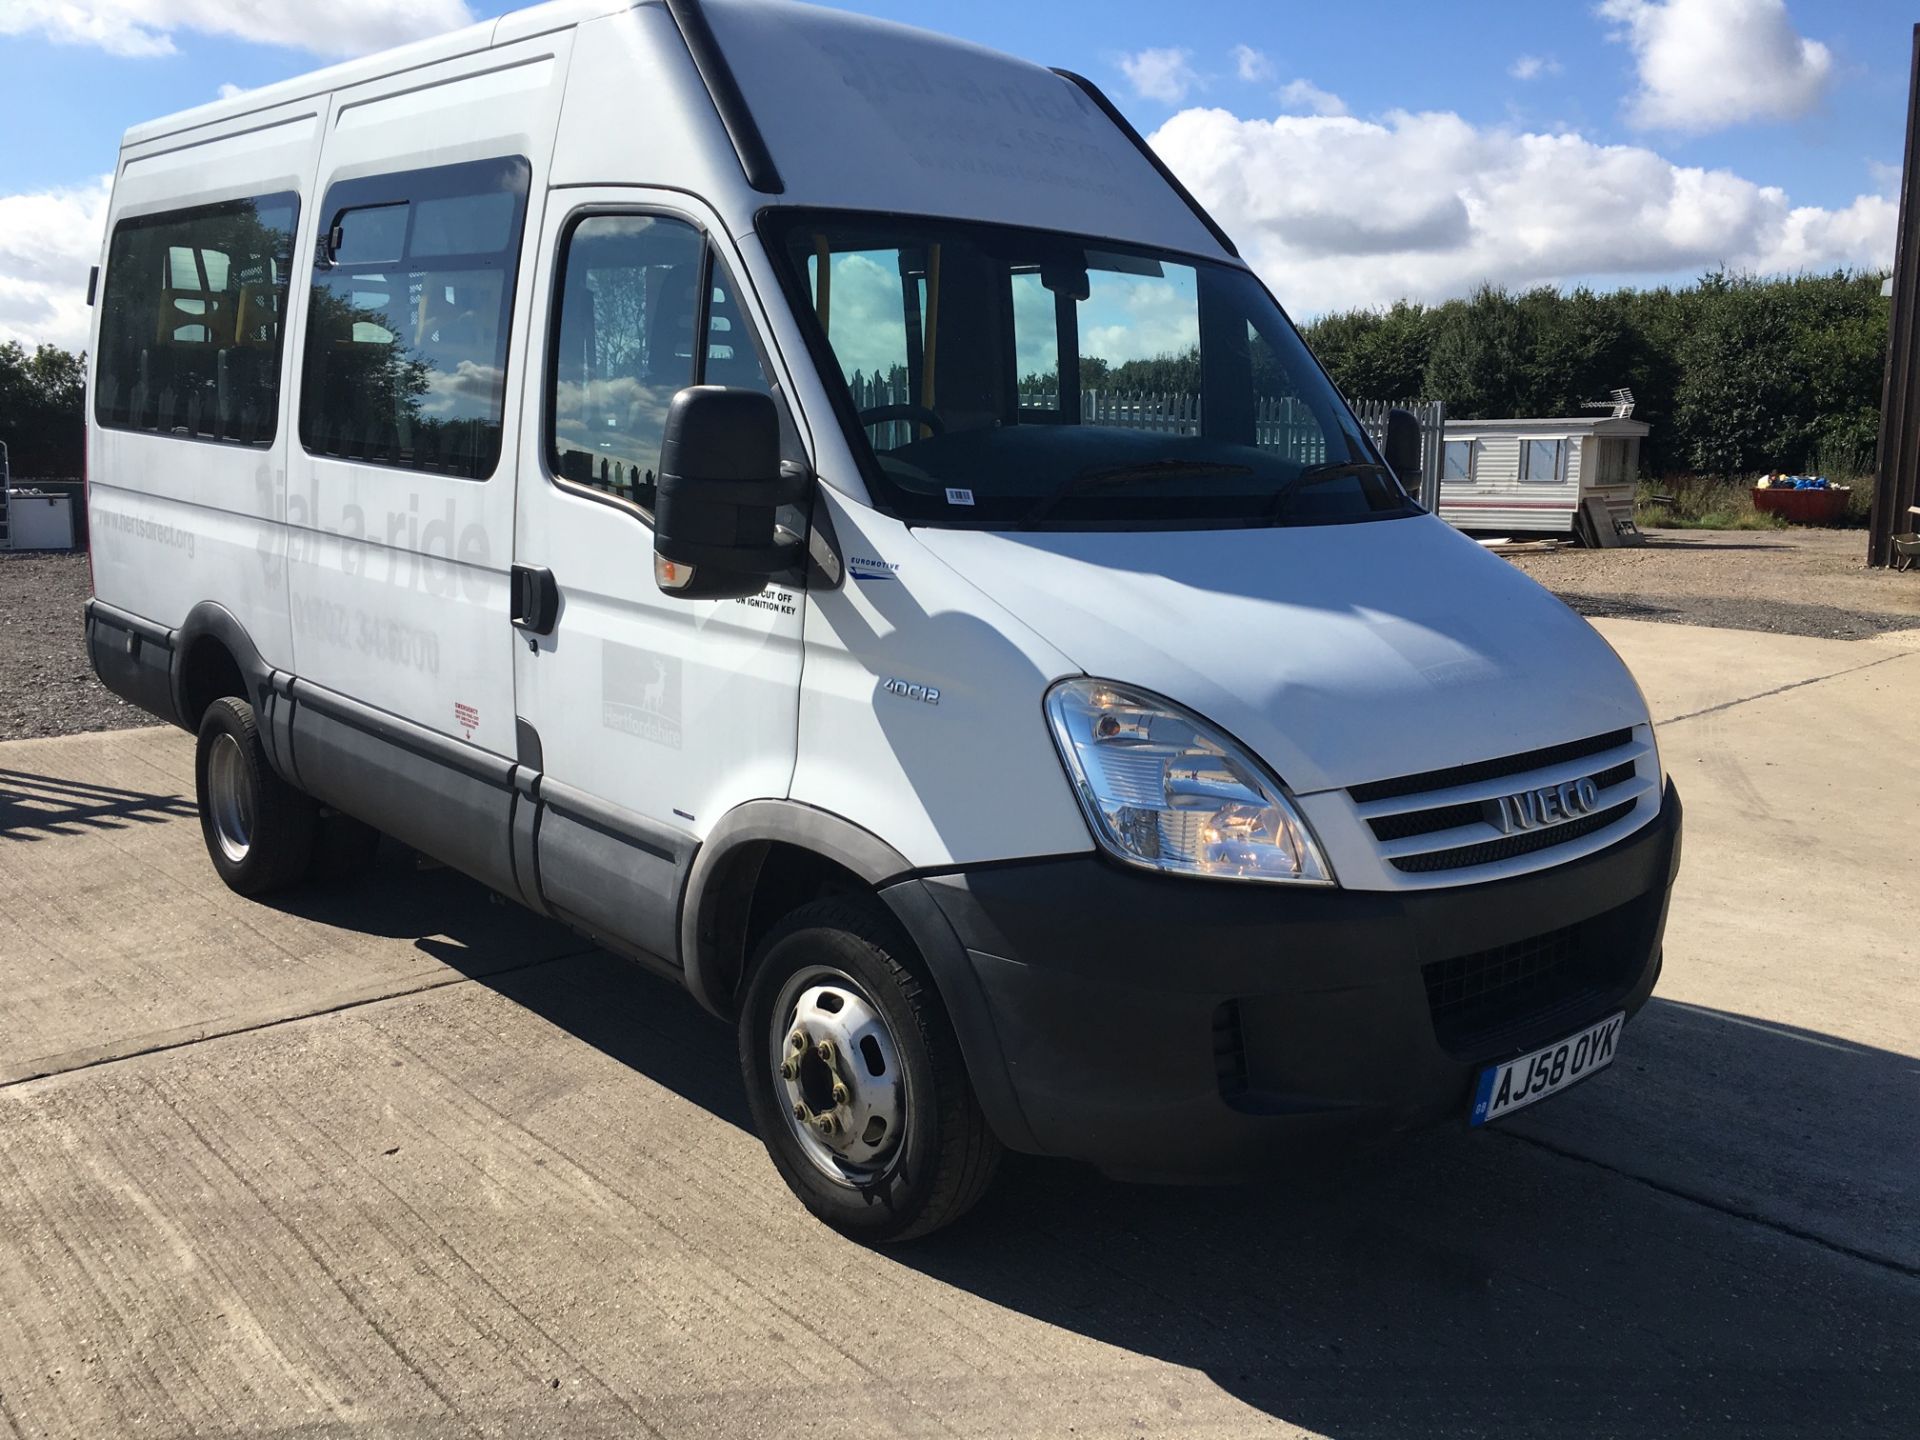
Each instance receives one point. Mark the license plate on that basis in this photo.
(1505, 1088)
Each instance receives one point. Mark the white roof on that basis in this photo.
(1549, 425)
(857, 114)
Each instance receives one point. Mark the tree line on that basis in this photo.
(42, 405)
(1735, 374)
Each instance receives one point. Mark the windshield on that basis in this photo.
(1011, 377)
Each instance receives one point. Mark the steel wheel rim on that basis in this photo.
(230, 799)
(858, 1085)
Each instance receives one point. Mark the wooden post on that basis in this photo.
(1899, 478)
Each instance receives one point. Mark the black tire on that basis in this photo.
(259, 829)
(946, 1154)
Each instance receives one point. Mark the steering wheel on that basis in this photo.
(880, 414)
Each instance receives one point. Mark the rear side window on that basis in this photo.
(192, 319)
(634, 292)
(405, 359)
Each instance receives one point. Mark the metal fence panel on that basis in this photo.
(1283, 423)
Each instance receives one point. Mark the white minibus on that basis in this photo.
(821, 510)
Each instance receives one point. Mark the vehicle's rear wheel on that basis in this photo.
(855, 1079)
(259, 829)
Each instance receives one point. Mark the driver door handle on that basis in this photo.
(536, 599)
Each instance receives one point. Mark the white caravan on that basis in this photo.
(476, 458)
(1535, 476)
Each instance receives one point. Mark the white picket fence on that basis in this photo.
(1281, 423)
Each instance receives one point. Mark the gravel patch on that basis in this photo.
(47, 685)
(1789, 582)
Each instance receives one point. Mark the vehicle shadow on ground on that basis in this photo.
(1625, 1259)
(39, 807)
(1490, 1283)
(402, 895)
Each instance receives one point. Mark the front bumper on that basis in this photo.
(1178, 1029)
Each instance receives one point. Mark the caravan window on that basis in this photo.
(1459, 462)
(1610, 462)
(191, 322)
(1541, 461)
(628, 308)
(405, 362)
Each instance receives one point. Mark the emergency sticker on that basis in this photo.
(959, 497)
(466, 717)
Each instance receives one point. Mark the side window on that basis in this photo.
(192, 318)
(628, 309)
(1540, 461)
(1459, 462)
(405, 362)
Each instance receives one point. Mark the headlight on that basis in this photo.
(1163, 789)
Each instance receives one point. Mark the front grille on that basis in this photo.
(1409, 823)
(1514, 992)
(1489, 769)
(1456, 819)
(1508, 847)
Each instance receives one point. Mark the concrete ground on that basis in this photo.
(398, 1160)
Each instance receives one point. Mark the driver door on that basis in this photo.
(648, 717)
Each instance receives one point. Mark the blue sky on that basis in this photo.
(1629, 141)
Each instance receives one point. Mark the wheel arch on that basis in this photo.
(213, 656)
(761, 856)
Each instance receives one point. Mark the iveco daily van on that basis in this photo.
(820, 509)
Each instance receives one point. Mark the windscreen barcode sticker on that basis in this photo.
(959, 497)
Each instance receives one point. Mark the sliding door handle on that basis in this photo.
(536, 599)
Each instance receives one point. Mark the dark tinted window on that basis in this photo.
(628, 309)
(406, 349)
(191, 321)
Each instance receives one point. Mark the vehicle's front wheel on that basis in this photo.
(855, 1079)
(258, 828)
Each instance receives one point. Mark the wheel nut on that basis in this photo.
(826, 1125)
(799, 1111)
(788, 1069)
(798, 1040)
(839, 1093)
(825, 1052)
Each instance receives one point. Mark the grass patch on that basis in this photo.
(1693, 503)
(1698, 502)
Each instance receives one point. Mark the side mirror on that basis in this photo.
(720, 482)
(1402, 450)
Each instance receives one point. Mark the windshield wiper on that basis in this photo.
(1103, 477)
(1319, 474)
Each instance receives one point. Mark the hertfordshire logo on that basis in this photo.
(1538, 809)
(640, 693)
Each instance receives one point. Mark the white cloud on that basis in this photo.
(47, 242)
(229, 90)
(148, 27)
(1339, 212)
(1304, 95)
(1707, 64)
(1251, 65)
(1532, 67)
(1165, 75)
